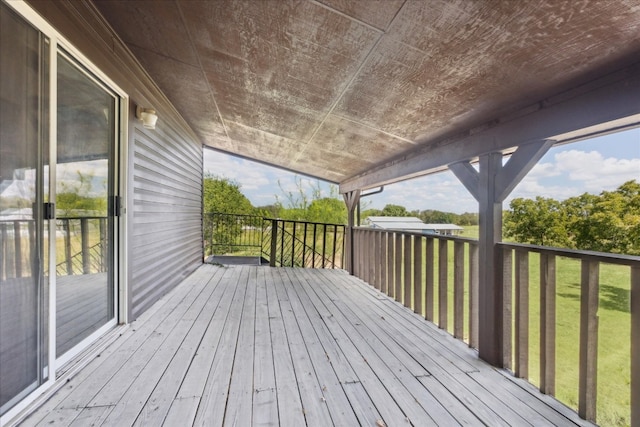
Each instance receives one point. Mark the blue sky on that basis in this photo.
(591, 166)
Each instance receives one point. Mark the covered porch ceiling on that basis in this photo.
(343, 90)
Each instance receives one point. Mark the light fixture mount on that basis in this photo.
(148, 117)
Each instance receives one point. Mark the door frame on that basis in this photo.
(57, 42)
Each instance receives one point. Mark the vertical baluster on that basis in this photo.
(4, 251)
(429, 283)
(67, 245)
(293, 244)
(635, 346)
(335, 241)
(408, 261)
(17, 244)
(304, 246)
(589, 285)
(417, 275)
(473, 295)
(324, 244)
(507, 319)
(522, 314)
(458, 289)
(398, 255)
(313, 248)
(84, 238)
(377, 259)
(547, 323)
(384, 275)
(443, 283)
(390, 264)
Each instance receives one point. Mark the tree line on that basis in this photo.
(608, 222)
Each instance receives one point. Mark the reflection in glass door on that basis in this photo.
(86, 139)
(24, 98)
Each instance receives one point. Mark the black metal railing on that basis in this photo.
(281, 242)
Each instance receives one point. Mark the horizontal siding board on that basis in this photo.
(166, 236)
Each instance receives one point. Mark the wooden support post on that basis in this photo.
(490, 186)
(84, 239)
(587, 390)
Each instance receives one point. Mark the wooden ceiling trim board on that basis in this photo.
(603, 104)
(204, 74)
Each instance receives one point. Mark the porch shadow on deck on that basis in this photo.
(247, 345)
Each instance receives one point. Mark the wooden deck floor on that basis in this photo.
(248, 345)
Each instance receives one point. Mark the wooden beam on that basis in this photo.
(518, 166)
(490, 263)
(610, 102)
(468, 176)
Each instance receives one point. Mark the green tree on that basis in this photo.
(328, 210)
(538, 222)
(308, 203)
(222, 195)
(394, 210)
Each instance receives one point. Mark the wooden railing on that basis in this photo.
(281, 242)
(405, 265)
(82, 248)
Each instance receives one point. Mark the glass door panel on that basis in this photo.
(23, 142)
(84, 184)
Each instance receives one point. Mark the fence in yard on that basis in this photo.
(437, 277)
(280, 242)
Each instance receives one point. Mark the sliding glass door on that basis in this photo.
(24, 98)
(86, 138)
(59, 130)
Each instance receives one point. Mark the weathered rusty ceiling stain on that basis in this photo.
(332, 87)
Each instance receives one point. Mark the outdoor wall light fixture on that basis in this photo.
(148, 117)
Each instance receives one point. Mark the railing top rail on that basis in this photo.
(274, 219)
(605, 257)
(469, 240)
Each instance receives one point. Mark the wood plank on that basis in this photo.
(417, 276)
(265, 402)
(398, 267)
(373, 384)
(458, 290)
(507, 313)
(587, 389)
(214, 399)
(241, 389)
(290, 410)
(473, 295)
(408, 264)
(390, 264)
(521, 367)
(634, 307)
(443, 284)
(429, 272)
(331, 391)
(547, 323)
(84, 386)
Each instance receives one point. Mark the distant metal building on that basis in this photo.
(411, 223)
